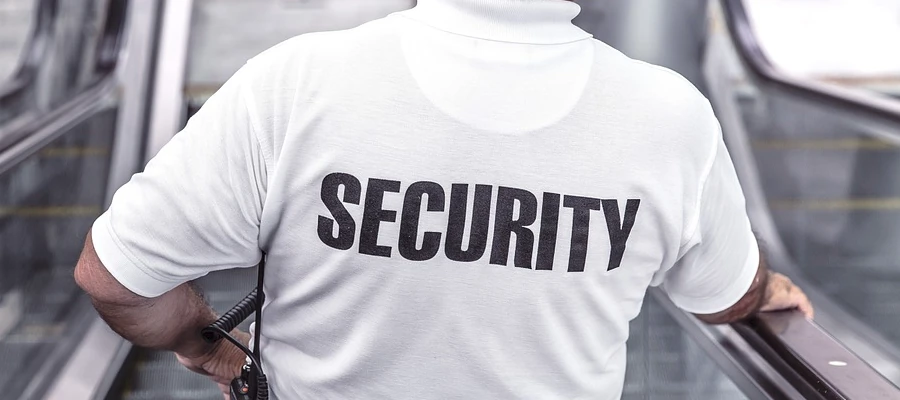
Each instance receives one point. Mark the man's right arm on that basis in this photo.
(748, 305)
(770, 291)
(721, 274)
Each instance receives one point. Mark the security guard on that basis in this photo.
(468, 199)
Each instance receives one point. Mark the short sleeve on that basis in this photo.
(719, 261)
(197, 205)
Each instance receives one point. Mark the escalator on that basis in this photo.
(56, 179)
(49, 199)
(819, 164)
(57, 145)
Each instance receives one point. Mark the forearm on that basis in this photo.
(170, 322)
(748, 305)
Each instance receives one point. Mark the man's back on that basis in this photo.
(481, 233)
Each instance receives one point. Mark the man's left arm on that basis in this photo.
(168, 322)
(195, 209)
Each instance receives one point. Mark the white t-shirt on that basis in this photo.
(456, 202)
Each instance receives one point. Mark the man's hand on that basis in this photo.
(221, 364)
(782, 294)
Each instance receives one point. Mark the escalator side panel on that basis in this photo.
(47, 203)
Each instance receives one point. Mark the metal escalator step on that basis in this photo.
(159, 376)
(175, 395)
(237, 280)
(16, 352)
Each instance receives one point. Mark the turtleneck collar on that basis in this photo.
(515, 21)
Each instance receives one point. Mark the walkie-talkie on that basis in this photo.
(252, 384)
(241, 387)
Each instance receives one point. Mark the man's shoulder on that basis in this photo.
(654, 96)
(649, 83)
(327, 45)
(313, 60)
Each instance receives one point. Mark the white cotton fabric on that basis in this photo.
(503, 93)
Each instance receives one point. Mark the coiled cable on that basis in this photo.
(231, 319)
(221, 328)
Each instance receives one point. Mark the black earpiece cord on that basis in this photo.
(221, 329)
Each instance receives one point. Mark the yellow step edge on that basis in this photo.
(74, 152)
(824, 144)
(871, 204)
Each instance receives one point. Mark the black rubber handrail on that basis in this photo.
(26, 137)
(42, 130)
(813, 361)
(107, 55)
(765, 73)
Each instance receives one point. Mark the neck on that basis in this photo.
(516, 21)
